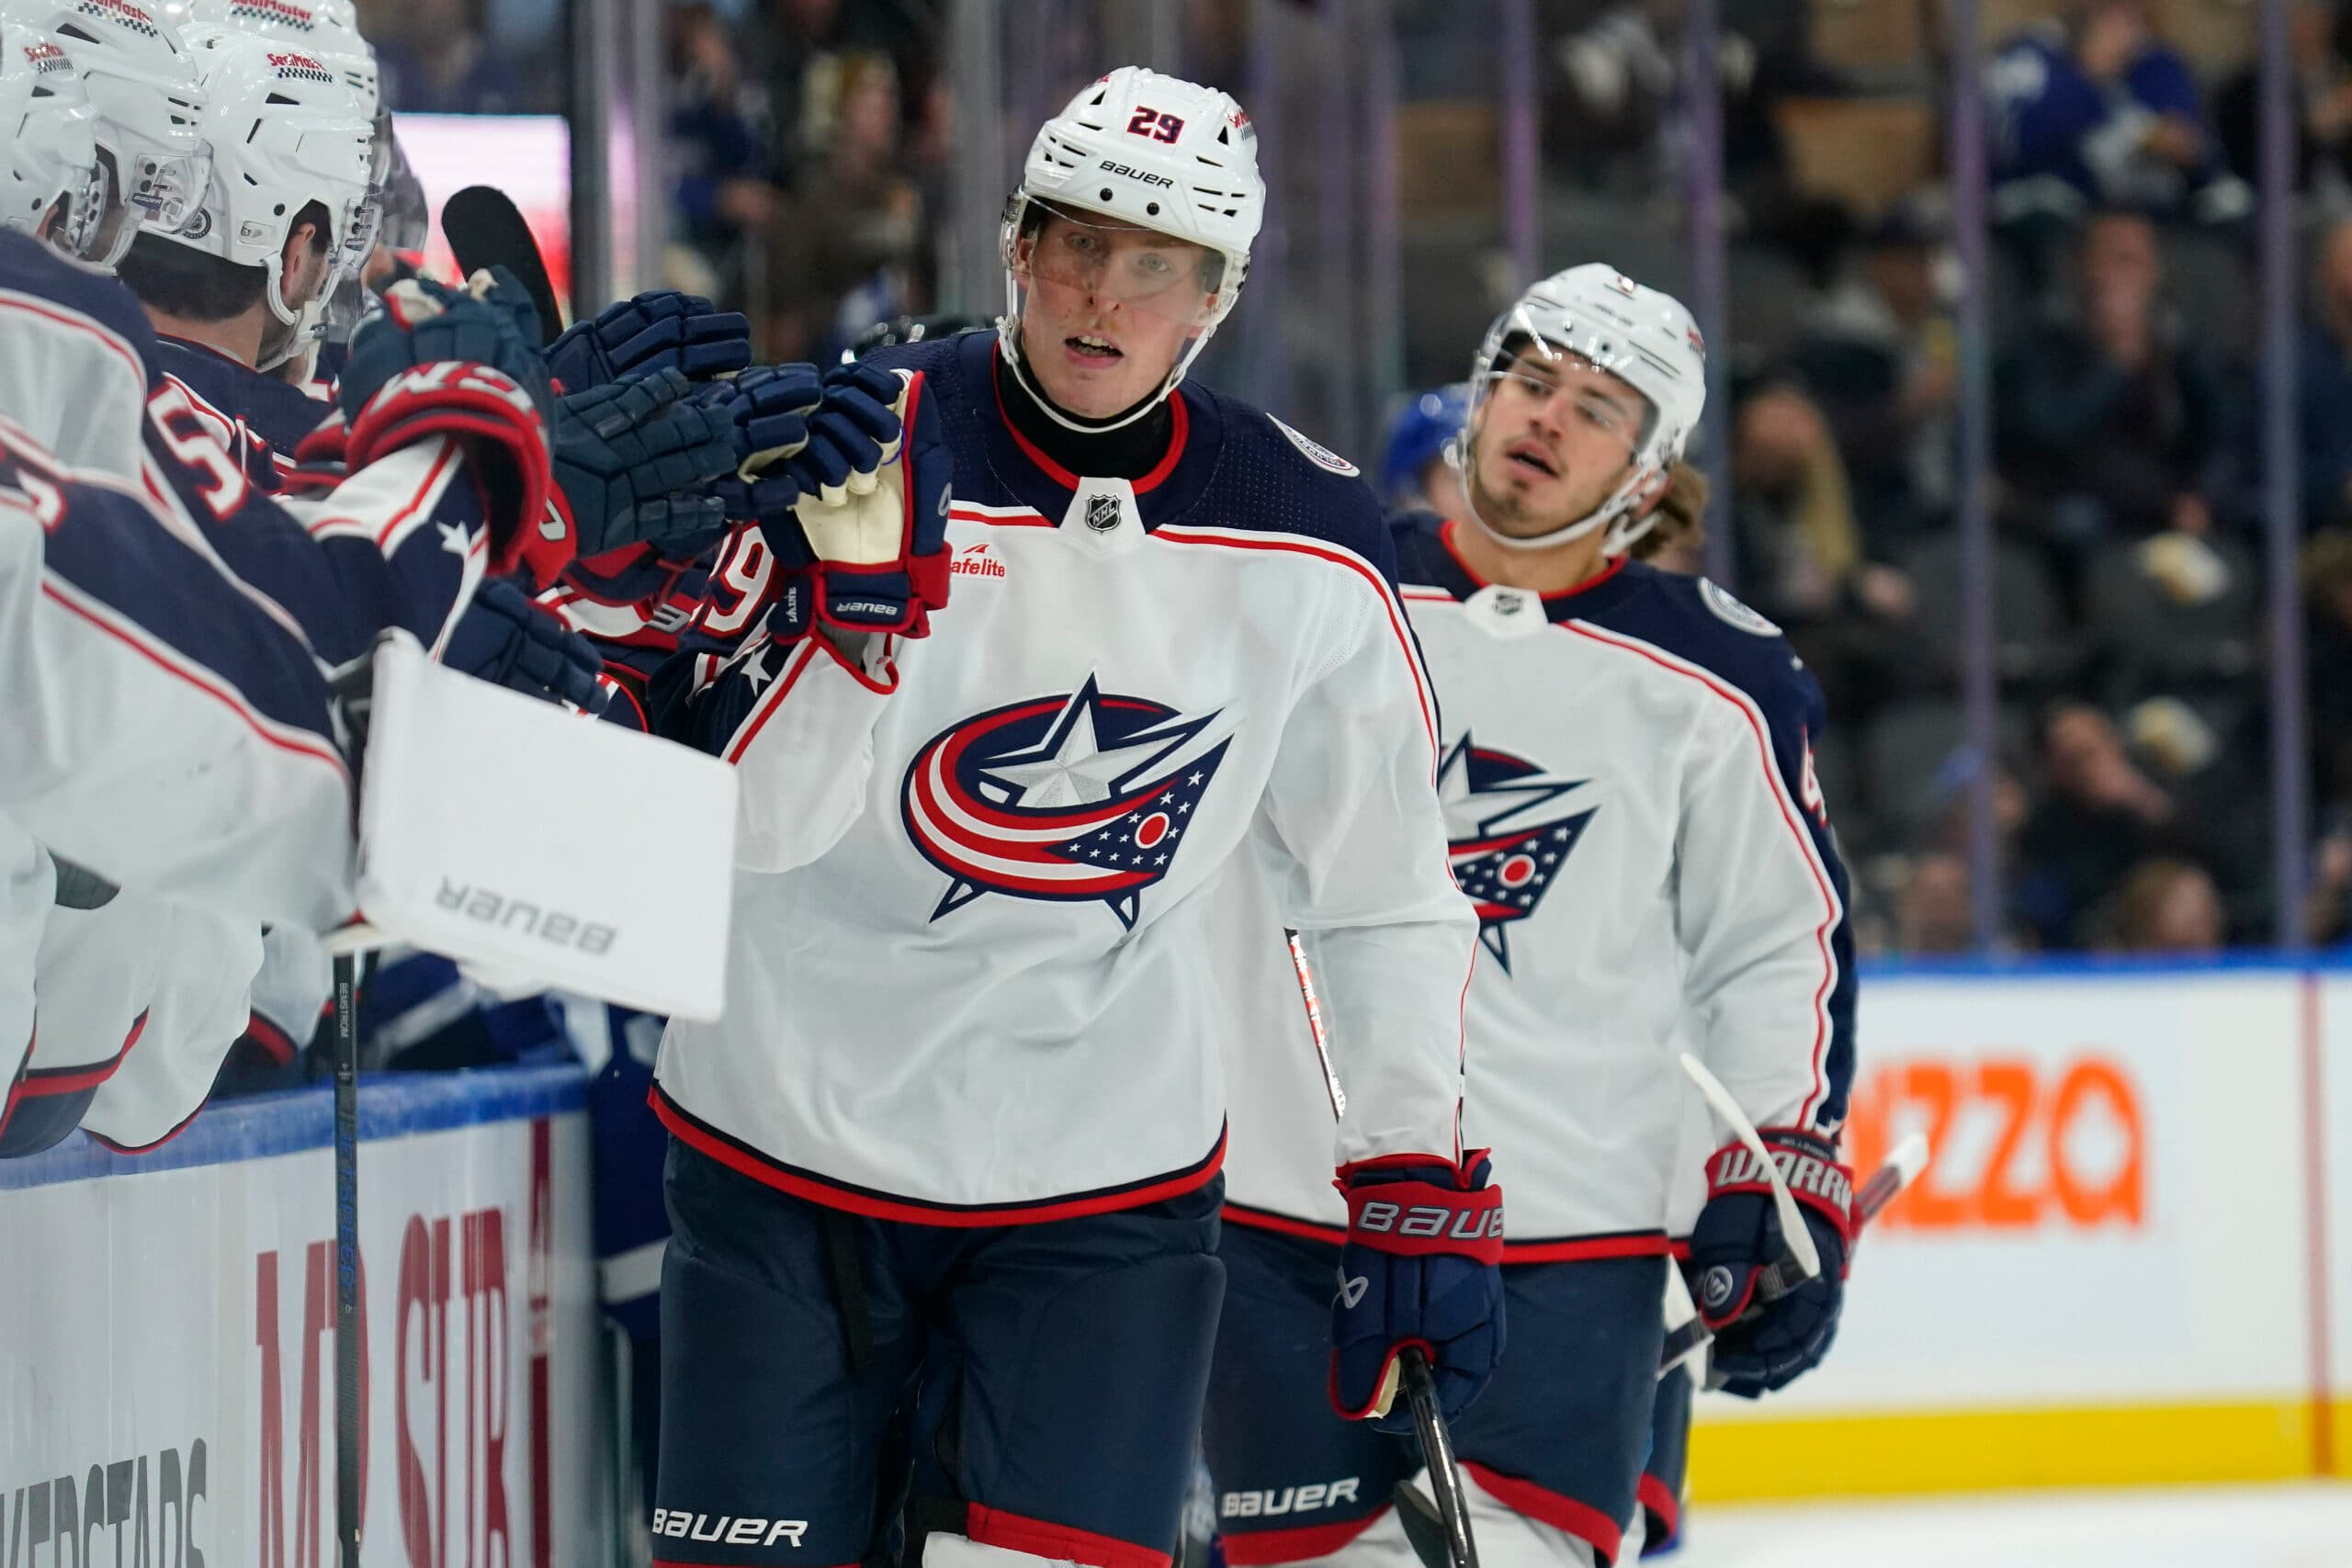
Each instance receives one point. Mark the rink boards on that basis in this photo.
(167, 1336)
(2132, 1261)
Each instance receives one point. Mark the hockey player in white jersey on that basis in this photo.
(1632, 815)
(966, 1101)
(145, 524)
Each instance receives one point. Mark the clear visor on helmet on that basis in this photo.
(1578, 375)
(1553, 425)
(168, 189)
(100, 224)
(1084, 258)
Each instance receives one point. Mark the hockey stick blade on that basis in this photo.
(485, 230)
(1424, 1532)
(1448, 1506)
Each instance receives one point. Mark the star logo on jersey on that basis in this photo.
(1075, 798)
(1505, 846)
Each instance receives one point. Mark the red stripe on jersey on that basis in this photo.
(417, 499)
(1555, 1508)
(74, 320)
(1060, 1543)
(41, 1081)
(226, 696)
(1582, 1249)
(1445, 536)
(1253, 1549)
(706, 1139)
(1396, 617)
(1180, 425)
(175, 1129)
(1780, 798)
(1283, 1224)
(1023, 520)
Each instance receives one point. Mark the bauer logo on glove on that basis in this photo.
(880, 538)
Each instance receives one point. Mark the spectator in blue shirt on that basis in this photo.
(2092, 108)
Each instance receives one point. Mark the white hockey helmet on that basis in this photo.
(144, 84)
(1642, 337)
(286, 131)
(327, 33)
(49, 151)
(1155, 151)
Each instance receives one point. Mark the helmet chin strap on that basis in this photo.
(1008, 339)
(1621, 514)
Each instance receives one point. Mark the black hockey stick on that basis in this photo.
(1439, 1530)
(347, 1479)
(485, 230)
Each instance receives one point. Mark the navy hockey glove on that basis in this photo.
(852, 434)
(1421, 1267)
(504, 638)
(438, 362)
(1764, 1340)
(489, 322)
(767, 413)
(659, 330)
(879, 538)
(634, 465)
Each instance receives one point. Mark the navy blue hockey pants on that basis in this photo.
(1080, 1350)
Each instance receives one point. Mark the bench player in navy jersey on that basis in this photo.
(1632, 815)
(289, 595)
(965, 1104)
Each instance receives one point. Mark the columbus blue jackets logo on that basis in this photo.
(1073, 798)
(1506, 839)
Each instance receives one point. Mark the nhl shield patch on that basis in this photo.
(1102, 512)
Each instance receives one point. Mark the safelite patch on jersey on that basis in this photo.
(1322, 456)
(1731, 612)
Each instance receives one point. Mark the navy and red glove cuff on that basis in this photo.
(1808, 1163)
(1423, 1206)
(490, 415)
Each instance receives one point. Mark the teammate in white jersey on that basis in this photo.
(965, 1105)
(1632, 815)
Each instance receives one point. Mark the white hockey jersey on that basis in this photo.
(971, 980)
(167, 631)
(1632, 814)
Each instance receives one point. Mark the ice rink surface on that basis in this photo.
(2301, 1526)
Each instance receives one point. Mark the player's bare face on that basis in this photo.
(1555, 438)
(1108, 310)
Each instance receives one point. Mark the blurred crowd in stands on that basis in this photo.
(812, 143)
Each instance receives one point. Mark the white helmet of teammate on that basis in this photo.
(49, 152)
(1154, 151)
(1644, 338)
(143, 86)
(286, 130)
(327, 33)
